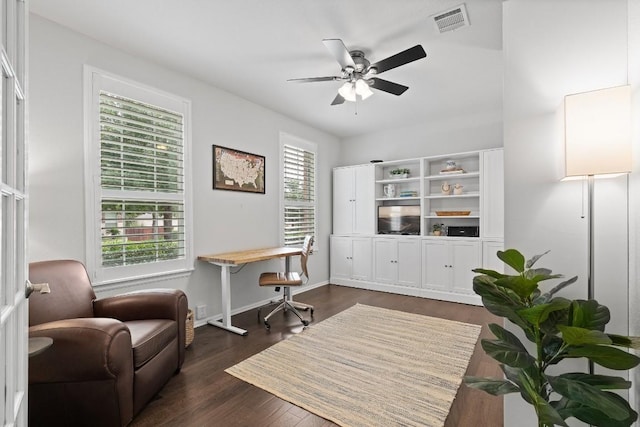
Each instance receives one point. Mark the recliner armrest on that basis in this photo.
(148, 304)
(142, 305)
(83, 349)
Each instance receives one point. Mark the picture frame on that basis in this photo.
(237, 170)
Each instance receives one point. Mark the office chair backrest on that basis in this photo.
(307, 248)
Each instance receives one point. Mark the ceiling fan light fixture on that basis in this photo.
(363, 89)
(348, 91)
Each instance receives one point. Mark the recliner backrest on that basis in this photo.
(71, 294)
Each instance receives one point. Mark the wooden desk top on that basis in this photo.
(252, 255)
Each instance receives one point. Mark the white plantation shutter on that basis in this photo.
(299, 168)
(142, 181)
(139, 200)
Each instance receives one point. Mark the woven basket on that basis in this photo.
(189, 328)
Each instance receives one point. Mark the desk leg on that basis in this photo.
(225, 323)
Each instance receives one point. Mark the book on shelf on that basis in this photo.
(452, 171)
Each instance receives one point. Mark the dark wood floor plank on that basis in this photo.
(202, 394)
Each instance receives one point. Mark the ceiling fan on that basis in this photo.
(359, 74)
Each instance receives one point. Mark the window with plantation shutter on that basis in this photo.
(138, 141)
(299, 192)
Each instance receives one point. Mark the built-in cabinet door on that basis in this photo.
(386, 262)
(351, 257)
(340, 257)
(490, 259)
(465, 256)
(361, 258)
(364, 206)
(397, 261)
(492, 194)
(435, 264)
(343, 200)
(353, 200)
(408, 265)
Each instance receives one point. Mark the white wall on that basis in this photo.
(223, 220)
(448, 135)
(554, 48)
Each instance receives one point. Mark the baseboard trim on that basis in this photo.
(471, 299)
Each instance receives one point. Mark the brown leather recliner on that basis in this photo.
(109, 357)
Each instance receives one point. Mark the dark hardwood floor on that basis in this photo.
(202, 394)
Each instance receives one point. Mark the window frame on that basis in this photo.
(96, 80)
(291, 140)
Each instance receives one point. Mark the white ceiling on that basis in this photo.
(251, 47)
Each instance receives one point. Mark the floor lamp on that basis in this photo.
(597, 143)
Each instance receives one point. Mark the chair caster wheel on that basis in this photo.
(305, 322)
(267, 325)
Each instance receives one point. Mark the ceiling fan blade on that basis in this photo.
(315, 79)
(338, 100)
(387, 86)
(340, 52)
(404, 57)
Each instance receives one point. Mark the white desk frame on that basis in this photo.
(234, 259)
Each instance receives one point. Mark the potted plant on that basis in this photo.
(399, 173)
(437, 229)
(559, 329)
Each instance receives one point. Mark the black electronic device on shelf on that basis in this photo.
(400, 219)
(467, 231)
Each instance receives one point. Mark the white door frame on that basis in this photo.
(14, 315)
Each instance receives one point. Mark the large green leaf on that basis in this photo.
(490, 273)
(555, 319)
(522, 286)
(551, 345)
(501, 302)
(590, 396)
(609, 357)
(624, 341)
(539, 274)
(548, 295)
(515, 375)
(547, 414)
(535, 259)
(602, 382)
(568, 408)
(506, 336)
(539, 313)
(589, 314)
(577, 336)
(508, 353)
(513, 259)
(491, 385)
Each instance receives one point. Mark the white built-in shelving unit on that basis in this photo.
(418, 262)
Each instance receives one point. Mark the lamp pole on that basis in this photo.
(591, 251)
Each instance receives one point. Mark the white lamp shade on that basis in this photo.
(598, 132)
(362, 89)
(348, 91)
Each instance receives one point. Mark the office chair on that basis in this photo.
(286, 280)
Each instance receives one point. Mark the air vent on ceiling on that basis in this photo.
(451, 19)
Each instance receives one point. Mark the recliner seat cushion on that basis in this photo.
(149, 337)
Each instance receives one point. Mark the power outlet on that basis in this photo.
(201, 311)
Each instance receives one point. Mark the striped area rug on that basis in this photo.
(368, 366)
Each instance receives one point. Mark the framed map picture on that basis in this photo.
(237, 171)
